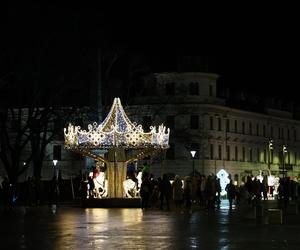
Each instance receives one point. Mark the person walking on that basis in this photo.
(230, 189)
(177, 192)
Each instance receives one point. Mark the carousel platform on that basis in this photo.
(112, 203)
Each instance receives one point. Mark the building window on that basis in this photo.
(170, 154)
(228, 152)
(279, 133)
(211, 151)
(170, 88)
(257, 129)
(295, 135)
(264, 130)
(220, 152)
(210, 90)
(227, 125)
(244, 154)
(57, 152)
(282, 133)
(265, 156)
(194, 88)
(219, 124)
(211, 123)
(289, 157)
(235, 126)
(236, 153)
(146, 123)
(243, 128)
(250, 155)
(250, 128)
(288, 133)
(272, 132)
(257, 155)
(194, 121)
(295, 158)
(170, 122)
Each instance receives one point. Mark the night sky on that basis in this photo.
(256, 52)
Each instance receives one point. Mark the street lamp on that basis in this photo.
(193, 153)
(269, 155)
(284, 150)
(55, 169)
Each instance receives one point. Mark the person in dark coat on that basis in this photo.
(231, 192)
(165, 190)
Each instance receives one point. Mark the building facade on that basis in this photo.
(238, 141)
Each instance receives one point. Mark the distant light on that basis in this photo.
(54, 162)
(193, 152)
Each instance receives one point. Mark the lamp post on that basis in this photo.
(269, 153)
(284, 150)
(55, 169)
(193, 153)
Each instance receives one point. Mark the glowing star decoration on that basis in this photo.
(116, 131)
(224, 180)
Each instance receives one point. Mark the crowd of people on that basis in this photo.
(166, 192)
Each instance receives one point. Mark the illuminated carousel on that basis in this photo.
(124, 142)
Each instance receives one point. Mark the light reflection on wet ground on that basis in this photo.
(77, 228)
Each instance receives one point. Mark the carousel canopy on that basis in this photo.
(116, 131)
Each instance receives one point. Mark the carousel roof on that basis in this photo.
(116, 131)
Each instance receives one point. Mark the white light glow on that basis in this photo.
(193, 153)
(116, 131)
(54, 162)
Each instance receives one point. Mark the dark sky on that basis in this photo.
(256, 51)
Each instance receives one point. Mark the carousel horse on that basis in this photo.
(132, 188)
(100, 185)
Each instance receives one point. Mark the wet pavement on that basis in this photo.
(133, 228)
